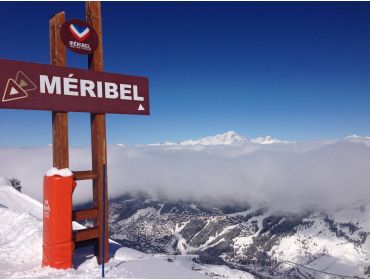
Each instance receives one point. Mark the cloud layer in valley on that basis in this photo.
(287, 176)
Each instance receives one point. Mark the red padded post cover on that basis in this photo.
(58, 246)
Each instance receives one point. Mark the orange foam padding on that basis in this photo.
(58, 245)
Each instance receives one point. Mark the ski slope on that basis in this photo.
(21, 250)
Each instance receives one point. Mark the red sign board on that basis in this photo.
(34, 86)
(79, 36)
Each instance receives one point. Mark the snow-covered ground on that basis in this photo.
(21, 250)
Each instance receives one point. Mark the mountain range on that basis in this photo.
(227, 138)
(232, 137)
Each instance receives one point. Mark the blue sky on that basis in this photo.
(296, 71)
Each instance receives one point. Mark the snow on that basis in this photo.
(355, 136)
(147, 266)
(186, 248)
(319, 249)
(65, 172)
(225, 272)
(227, 138)
(267, 140)
(245, 241)
(20, 238)
(214, 271)
(181, 244)
(127, 254)
(358, 139)
(12, 199)
(232, 137)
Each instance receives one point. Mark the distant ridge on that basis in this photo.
(227, 138)
(358, 139)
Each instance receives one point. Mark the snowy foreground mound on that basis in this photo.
(21, 250)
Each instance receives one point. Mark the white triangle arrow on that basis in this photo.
(13, 91)
(141, 108)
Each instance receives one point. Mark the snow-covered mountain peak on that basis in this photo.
(355, 136)
(267, 140)
(227, 138)
(358, 139)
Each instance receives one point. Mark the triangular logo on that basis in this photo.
(24, 82)
(141, 108)
(13, 91)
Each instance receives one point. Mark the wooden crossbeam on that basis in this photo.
(84, 214)
(86, 243)
(85, 234)
(85, 175)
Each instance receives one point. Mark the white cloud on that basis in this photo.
(290, 176)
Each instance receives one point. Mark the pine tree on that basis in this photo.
(16, 184)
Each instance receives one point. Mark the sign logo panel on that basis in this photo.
(79, 36)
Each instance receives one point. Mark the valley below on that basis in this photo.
(262, 241)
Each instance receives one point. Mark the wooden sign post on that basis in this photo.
(59, 119)
(98, 138)
(98, 135)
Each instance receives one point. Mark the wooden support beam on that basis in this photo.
(85, 175)
(91, 242)
(98, 136)
(84, 214)
(59, 119)
(85, 234)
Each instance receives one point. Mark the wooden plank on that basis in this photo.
(93, 16)
(98, 134)
(84, 214)
(86, 243)
(59, 119)
(85, 175)
(57, 48)
(60, 140)
(85, 234)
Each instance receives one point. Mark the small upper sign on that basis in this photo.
(79, 36)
